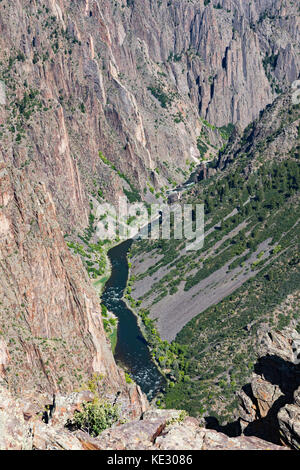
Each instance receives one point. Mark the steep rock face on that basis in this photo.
(274, 135)
(131, 79)
(269, 407)
(87, 76)
(289, 422)
(52, 336)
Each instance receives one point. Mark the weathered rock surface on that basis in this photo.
(52, 336)
(273, 135)
(185, 435)
(270, 406)
(270, 414)
(157, 430)
(289, 422)
(87, 76)
(79, 76)
(271, 138)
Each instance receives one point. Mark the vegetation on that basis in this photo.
(251, 229)
(132, 193)
(96, 417)
(164, 98)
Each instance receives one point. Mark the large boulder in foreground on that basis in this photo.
(270, 404)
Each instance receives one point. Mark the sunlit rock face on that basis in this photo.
(52, 336)
(129, 79)
(132, 79)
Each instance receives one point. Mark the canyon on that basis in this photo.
(98, 100)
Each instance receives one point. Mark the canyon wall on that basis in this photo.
(51, 328)
(132, 79)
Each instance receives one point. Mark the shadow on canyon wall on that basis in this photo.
(285, 376)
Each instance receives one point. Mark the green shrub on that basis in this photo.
(96, 417)
(128, 378)
(164, 99)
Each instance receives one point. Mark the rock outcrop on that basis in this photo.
(156, 430)
(289, 422)
(87, 76)
(166, 430)
(269, 406)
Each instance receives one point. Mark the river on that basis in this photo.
(132, 352)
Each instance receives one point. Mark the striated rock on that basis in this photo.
(4, 357)
(88, 442)
(265, 393)
(14, 432)
(188, 435)
(278, 344)
(48, 438)
(157, 434)
(178, 437)
(272, 136)
(131, 436)
(218, 441)
(82, 77)
(163, 415)
(247, 409)
(50, 321)
(52, 336)
(93, 65)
